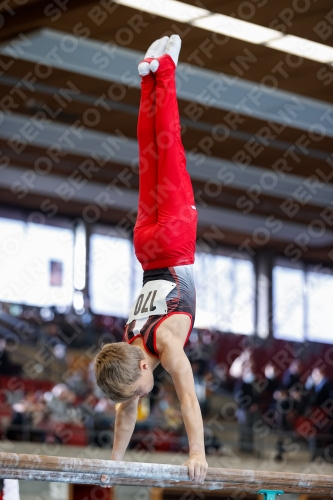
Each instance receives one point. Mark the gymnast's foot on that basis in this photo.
(157, 49)
(172, 48)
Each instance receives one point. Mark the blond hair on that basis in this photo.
(116, 367)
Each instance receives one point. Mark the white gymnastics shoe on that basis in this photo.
(172, 49)
(156, 49)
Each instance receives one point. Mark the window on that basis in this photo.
(288, 303)
(225, 293)
(137, 281)
(302, 303)
(320, 306)
(112, 271)
(36, 263)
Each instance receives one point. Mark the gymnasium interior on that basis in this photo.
(255, 96)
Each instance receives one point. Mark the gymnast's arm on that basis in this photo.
(176, 363)
(123, 429)
(124, 426)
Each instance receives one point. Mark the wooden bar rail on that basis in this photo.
(86, 471)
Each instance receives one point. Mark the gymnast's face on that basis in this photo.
(145, 382)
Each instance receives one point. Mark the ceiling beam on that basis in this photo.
(196, 85)
(123, 150)
(205, 127)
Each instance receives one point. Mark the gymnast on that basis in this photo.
(162, 317)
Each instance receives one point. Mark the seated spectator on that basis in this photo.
(106, 409)
(60, 403)
(78, 382)
(320, 387)
(271, 377)
(91, 381)
(236, 369)
(292, 375)
(28, 419)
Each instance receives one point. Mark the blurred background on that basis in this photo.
(254, 85)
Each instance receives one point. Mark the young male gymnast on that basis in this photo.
(162, 317)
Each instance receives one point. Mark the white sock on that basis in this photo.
(154, 64)
(156, 49)
(172, 48)
(143, 68)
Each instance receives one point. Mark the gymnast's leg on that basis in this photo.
(147, 206)
(146, 222)
(177, 216)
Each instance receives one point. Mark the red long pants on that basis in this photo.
(165, 230)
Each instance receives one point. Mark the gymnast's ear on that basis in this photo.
(143, 364)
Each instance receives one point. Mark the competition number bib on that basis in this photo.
(151, 301)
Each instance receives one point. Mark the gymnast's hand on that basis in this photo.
(197, 468)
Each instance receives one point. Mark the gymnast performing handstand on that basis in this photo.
(162, 317)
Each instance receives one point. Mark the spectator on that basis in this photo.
(320, 394)
(91, 380)
(271, 377)
(78, 382)
(292, 375)
(289, 406)
(320, 387)
(271, 384)
(236, 369)
(28, 417)
(247, 398)
(283, 425)
(60, 404)
(7, 367)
